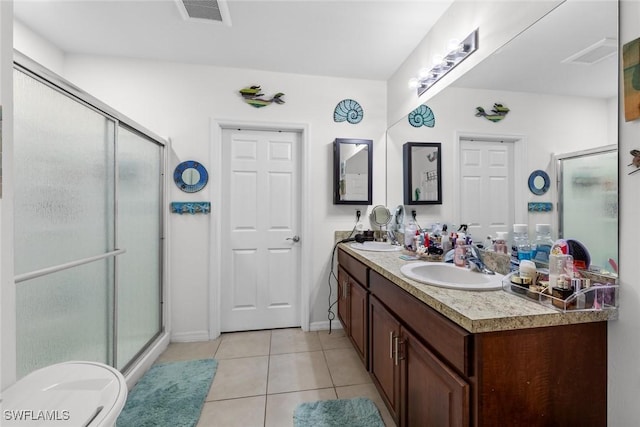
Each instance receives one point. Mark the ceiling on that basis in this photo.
(532, 62)
(364, 39)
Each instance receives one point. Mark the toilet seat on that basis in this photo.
(66, 394)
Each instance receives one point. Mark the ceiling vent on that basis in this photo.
(205, 10)
(594, 53)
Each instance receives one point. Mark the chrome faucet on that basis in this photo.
(475, 262)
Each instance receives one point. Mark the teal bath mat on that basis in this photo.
(358, 412)
(169, 394)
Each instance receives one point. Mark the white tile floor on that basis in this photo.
(262, 376)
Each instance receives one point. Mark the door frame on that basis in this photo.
(215, 243)
(520, 174)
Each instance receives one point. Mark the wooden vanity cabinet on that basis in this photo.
(384, 333)
(353, 302)
(416, 385)
(431, 372)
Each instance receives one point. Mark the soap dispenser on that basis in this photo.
(460, 251)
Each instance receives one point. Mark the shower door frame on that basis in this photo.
(558, 165)
(36, 71)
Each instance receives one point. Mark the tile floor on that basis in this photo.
(262, 376)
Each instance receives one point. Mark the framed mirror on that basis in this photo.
(422, 171)
(352, 164)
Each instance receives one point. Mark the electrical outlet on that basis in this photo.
(413, 214)
(357, 215)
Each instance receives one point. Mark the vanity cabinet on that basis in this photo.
(353, 301)
(432, 372)
(418, 387)
(384, 333)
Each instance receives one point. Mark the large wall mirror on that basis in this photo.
(352, 163)
(559, 78)
(422, 170)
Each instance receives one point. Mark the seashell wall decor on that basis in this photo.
(348, 110)
(422, 116)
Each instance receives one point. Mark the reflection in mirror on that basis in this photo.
(352, 162)
(422, 170)
(559, 104)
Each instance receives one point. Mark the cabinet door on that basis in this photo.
(358, 317)
(432, 394)
(384, 332)
(343, 300)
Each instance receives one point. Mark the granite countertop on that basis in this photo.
(475, 311)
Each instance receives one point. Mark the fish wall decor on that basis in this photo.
(422, 116)
(635, 161)
(498, 112)
(348, 110)
(252, 95)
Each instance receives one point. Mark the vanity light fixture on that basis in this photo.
(458, 52)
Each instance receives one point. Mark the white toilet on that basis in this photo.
(67, 394)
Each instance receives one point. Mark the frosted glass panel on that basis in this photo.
(139, 227)
(590, 204)
(64, 316)
(64, 178)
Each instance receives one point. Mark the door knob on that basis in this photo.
(294, 238)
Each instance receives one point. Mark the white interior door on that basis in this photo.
(260, 216)
(486, 187)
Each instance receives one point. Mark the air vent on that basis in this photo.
(205, 10)
(594, 53)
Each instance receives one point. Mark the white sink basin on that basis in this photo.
(376, 246)
(449, 276)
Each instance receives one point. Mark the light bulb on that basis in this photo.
(413, 83)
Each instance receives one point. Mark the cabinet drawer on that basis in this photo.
(450, 341)
(355, 268)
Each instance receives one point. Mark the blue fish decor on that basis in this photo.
(422, 116)
(348, 110)
(253, 97)
(498, 112)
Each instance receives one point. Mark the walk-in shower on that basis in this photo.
(89, 223)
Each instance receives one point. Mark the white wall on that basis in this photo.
(30, 43)
(548, 124)
(497, 21)
(178, 101)
(624, 346)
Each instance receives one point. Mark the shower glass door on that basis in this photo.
(88, 230)
(138, 297)
(64, 212)
(588, 202)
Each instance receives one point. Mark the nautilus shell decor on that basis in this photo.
(348, 110)
(422, 116)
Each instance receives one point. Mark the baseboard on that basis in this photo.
(136, 372)
(324, 325)
(190, 336)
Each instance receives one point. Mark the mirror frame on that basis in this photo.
(337, 166)
(407, 155)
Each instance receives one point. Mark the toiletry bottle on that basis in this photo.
(528, 269)
(542, 244)
(521, 241)
(460, 252)
(500, 244)
(409, 233)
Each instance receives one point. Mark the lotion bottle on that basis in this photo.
(460, 252)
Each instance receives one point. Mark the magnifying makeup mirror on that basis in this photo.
(380, 216)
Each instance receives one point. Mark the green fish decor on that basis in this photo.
(252, 95)
(498, 113)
